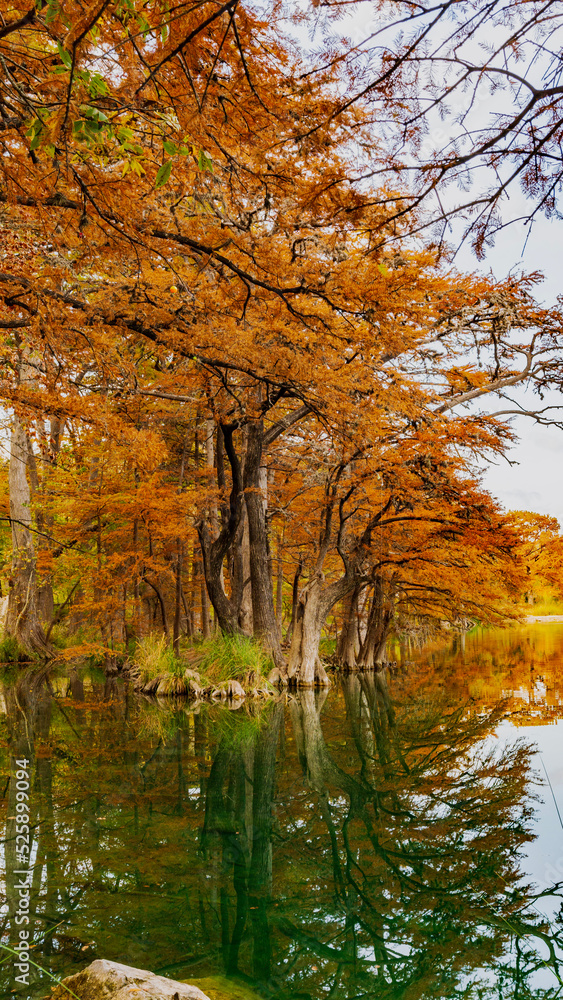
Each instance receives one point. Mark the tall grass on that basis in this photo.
(217, 660)
(232, 657)
(153, 655)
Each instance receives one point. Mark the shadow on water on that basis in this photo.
(364, 844)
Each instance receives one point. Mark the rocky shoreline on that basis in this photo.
(190, 684)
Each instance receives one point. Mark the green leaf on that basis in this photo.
(53, 10)
(94, 113)
(65, 56)
(34, 132)
(170, 147)
(163, 175)
(204, 162)
(98, 86)
(143, 25)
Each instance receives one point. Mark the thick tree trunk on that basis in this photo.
(373, 651)
(315, 603)
(23, 620)
(205, 626)
(246, 616)
(239, 574)
(41, 494)
(137, 610)
(214, 550)
(226, 611)
(305, 669)
(263, 612)
(45, 597)
(348, 645)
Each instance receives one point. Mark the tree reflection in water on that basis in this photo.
(358, 847)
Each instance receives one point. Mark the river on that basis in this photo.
(398, 837)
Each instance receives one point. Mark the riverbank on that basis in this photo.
(530, 619)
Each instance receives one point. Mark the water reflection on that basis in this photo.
(523, 664)
(364, 844)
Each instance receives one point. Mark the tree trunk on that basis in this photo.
(305, 668)
(205, 629)
(50, 447)
(214, 550)
(22, 620)
(315, 602)
(372, 653)
(178, 599)
(263, 612)
(348, 642)
(245, 615)
(45, 598)
(279, 586)
(294, 599)
(161, 605)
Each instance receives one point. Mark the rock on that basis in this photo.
(151, 686)
(193, 675)
(265, 692)
(235, 690)
(103, 980)
(193, 681)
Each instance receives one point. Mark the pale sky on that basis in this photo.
(536, 482)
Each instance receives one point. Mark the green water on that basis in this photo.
(394, 839)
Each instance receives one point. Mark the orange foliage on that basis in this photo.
(233, 338)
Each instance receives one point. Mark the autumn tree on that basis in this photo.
(177, 240)
(541, 549)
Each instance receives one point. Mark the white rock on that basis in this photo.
(235, 690)
(104, 980)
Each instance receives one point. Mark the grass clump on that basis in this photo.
(232, 657)
(223, 663)
(160, 672)
(154, 657)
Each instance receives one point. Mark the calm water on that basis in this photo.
(394, 839)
